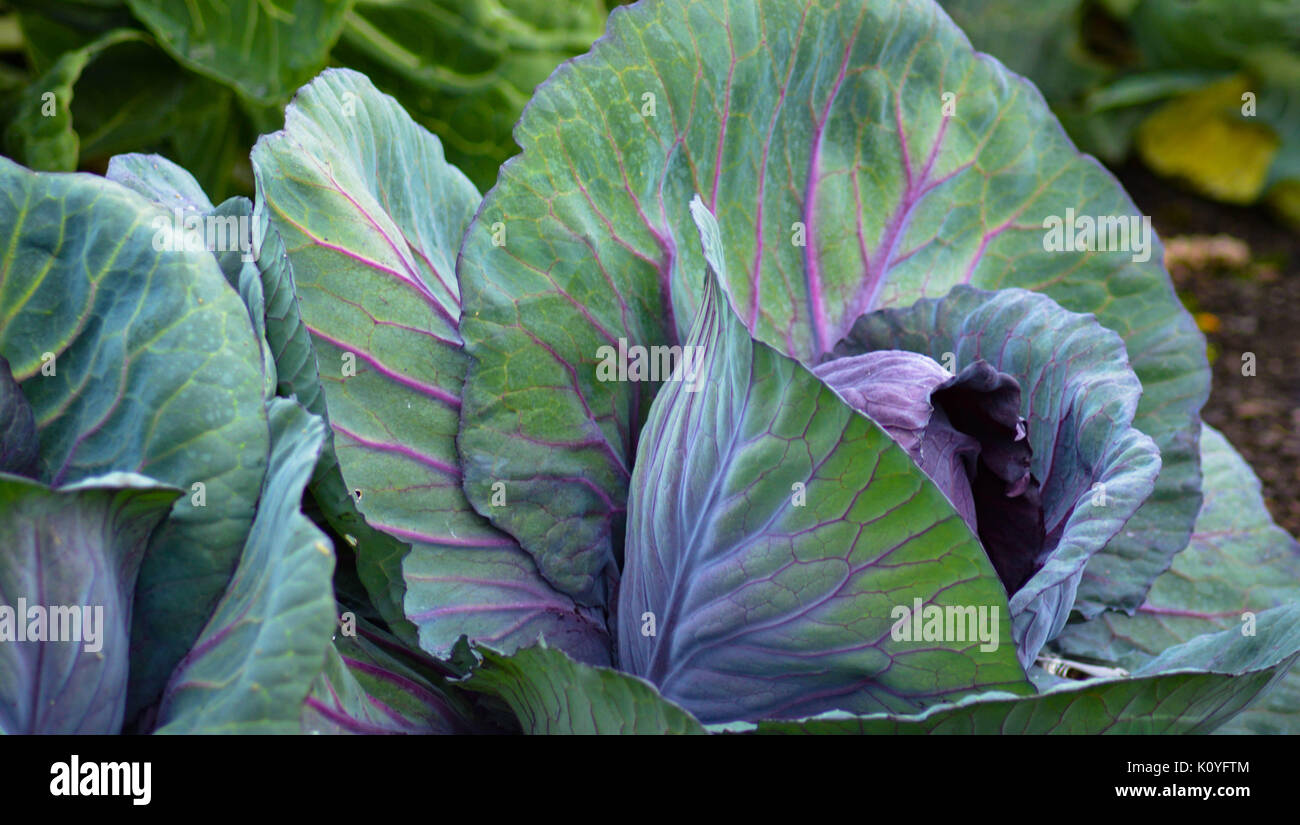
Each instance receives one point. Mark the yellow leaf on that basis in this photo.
(1203, 138)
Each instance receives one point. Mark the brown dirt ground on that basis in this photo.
(1244, 288)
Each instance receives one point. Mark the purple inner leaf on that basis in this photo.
(985, 404)
(965, 432)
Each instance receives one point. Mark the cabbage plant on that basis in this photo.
(754, 396)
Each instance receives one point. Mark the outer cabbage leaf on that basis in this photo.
(257, 658)
(772, 533)
(158, 179)
(817, 134)
(1273, 713)
(1192, 688)
(173, 188)
(264, 48)
(298, 376)
(552, 694)
(76, 547)
(135, 360)
(1079, 401)
(349, 187)
(1238, 563)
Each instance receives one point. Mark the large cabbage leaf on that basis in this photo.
(136, 360)
(1194, 687)
(773, 531)
(857, 155)
(370, 216)
(173, 188)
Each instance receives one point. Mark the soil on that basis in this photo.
(1238, 270)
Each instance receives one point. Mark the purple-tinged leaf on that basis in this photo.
(858, 155)
(1195, 687)
(774, 535)
(365, 688)
(1238, 564)
(69, 558)
(1094, 467)
(371, 216)
(136, 359)
(965, 432)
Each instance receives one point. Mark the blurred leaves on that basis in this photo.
(1201, 138)
(116, 94)
(463, 68)
(1207, 92)
(41, 134)
(264, 49)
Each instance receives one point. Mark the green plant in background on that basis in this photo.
(199, 81)
(359, 466)
(464, 70)
(1206, 91)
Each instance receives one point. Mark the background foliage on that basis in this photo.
(199, 81)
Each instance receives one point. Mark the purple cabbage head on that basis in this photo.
(966, 433)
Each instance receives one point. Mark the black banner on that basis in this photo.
(335, 775)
